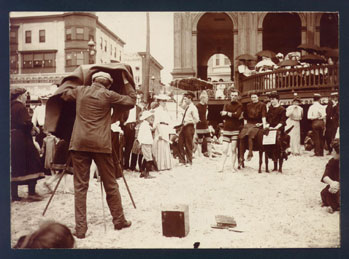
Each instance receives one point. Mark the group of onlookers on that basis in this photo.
(151, 137)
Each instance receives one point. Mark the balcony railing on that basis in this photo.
(291, 80)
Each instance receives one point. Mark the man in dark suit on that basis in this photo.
(332, 120)
(91, 139)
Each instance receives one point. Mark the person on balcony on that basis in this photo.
(280, 57)
(244, 70)
(332, 120)
(317, 114)
(294, 113)
(254, 117)
(220, 90)
(231, 115)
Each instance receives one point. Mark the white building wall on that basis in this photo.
(103, 56)
(134, 60)
(53, 32)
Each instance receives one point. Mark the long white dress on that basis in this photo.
(295, 115)
(161, 146)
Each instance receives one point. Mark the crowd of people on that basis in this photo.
(150, 139)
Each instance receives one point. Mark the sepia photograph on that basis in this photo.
(174, 130)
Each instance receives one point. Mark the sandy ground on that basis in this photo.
(274, 210)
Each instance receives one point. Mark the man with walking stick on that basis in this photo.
(91, 139)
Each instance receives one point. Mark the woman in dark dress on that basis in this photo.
(26, 167)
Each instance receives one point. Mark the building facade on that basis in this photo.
(137, 62)
(200, 35)
(44, 48)
(218, 68)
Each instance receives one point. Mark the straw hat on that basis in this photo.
(162, 97)
(146, 114)
(15, 92)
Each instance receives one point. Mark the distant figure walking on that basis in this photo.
(295, 114)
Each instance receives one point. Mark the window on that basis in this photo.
(68, 34)
(79, 58)
(79, 33)
(49, 60)
(27, 60)
(226, 61)
(13, 37)
(217, 60)
(111, 50)
(114, 52)
(69, 60)
(38, 60)
(91, 35)
(101, 43)
(105, 45)
(28, 36)
(14, 62)
(42, 36)
(75, 58)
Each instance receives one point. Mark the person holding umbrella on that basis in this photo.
(91, 139)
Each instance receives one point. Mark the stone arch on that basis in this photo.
(318, 17)
(198, 16)
(262, 16)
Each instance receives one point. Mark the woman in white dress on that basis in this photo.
(161, 146)
(295, 114)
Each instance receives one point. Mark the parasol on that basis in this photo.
(288, 62)
(246, 57)
(309, 47)
(266, 53)
(266, 62)
(313, 59)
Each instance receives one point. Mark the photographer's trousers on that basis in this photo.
(81, 163)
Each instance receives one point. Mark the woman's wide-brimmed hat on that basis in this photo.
(15, 92)
(146, 114)
(162, 97)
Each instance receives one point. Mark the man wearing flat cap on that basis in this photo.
(91, 139)
(186, 136)
(332, 120)
(317, 114)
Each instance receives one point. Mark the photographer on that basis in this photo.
(91, 139)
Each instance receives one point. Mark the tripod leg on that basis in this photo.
(123, 177)
(128, 190)
(54, 191)
(56, 187)
(98, 177)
